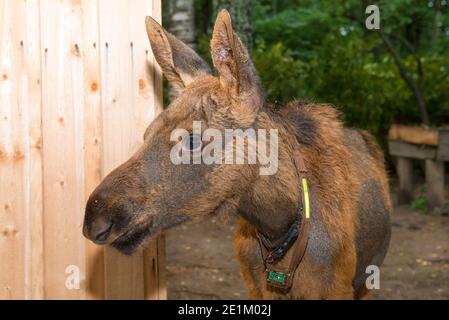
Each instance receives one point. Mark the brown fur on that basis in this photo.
(334, 185)
(347, 178)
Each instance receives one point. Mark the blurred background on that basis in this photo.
(322, 51)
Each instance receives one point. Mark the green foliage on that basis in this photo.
(280, 72)
(419, 203)
(437, 84)
(300, 30)
(203, 48)
(320, 50)
(443, 210)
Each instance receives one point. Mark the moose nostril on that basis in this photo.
(102, 232)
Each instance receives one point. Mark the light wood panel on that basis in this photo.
(13, 149)
(31, 98)
(416, 135)
(119, 126)
(78, 87)
(63, 163)
(92, 137)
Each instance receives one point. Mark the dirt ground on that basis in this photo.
(201, 263)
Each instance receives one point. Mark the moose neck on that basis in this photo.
(271, 205)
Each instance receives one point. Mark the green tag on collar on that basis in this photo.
(278, 277)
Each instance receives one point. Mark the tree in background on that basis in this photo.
(241, 14)
(181, 23)
(181, 20)
(416, 35)
(320, 50)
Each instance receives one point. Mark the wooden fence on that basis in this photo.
(78, 87)
(408, 143)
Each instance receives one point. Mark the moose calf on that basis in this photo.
(309, 231)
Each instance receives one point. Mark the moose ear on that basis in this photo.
(231, 59)
(180, 64)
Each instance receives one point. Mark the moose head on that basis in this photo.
(149, 193)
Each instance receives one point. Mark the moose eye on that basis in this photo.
(192, 142)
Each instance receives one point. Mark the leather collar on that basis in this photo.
(281, 261)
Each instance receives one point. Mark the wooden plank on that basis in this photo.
(162, 285)
(443, 145)
(30, 99)
(153, 66)
(123, 275)
(52, 127)
(151, 271)
(408, 150)
(158, 108)
(13, 154)
(131, 108)
(405, 174)
(147, 105)
(142, 81)
(62, 118)
(143, 97)
(435, 183)
(413, 134)
(92, 138)
(154, 270)
(22, 87)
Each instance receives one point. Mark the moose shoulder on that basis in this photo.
(333, 207)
